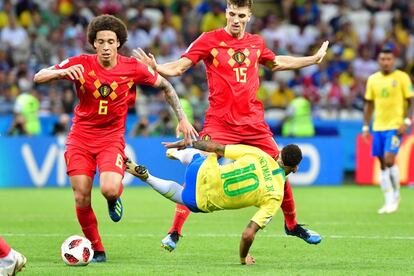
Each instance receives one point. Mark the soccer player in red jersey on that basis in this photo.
(105, 85)
(235, 116)
(11, 261)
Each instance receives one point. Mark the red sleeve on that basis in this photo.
(198, 50)
(266, 55)
(145, 75)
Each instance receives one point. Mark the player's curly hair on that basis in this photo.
(107, 22)
(240, 3)
(291, 155)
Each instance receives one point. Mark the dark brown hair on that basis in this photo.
(107, 22)
(240, 3)
(291, 155)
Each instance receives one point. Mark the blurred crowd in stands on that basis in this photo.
(39, 33)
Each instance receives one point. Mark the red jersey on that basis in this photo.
(232, 73)
(104, 96)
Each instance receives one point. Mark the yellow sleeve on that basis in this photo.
(236, 151)
(369, 93)
(407, 86)
(266, 212)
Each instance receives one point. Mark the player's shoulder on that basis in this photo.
(84, 59)
(128, 60)
(87, 57)
(375, 75)
(256, 38)
(401, 74)
(214, 34)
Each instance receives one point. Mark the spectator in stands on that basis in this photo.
(6, 98)
(54, 29)
(15, 40)
(141, 128)
(61, 127)
(282, 96)
(68, 101)
(164, 126)
(213, 19)
(298, 119)
(26, 120)
(365, 65)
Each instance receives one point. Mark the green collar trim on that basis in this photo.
(279, 170)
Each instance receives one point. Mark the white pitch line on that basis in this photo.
(212, 235)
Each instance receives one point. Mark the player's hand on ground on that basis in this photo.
(148, 60)
(321, 52)
(174, 145)
(74, 72)
(190, 134)
(250, 260)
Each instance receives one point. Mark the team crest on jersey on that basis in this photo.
(105, 90)
(239, 57)
(206, 137)
(394, 83)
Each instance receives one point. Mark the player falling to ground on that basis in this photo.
(11, 261)
(253, 179)
(105, 85)
(390, 93)
(235, 116)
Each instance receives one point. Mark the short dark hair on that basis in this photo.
(107, 22)
(240, 3)
(386, 50)
(291, 155)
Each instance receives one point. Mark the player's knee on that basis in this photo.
(109, 191)
(389, 162)
(82, 199)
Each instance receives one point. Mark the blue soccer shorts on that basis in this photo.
(189, 192)
(385, 141)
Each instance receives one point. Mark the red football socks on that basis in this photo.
(288, 207)
(4, 248)
(89, 224)
(181, 214)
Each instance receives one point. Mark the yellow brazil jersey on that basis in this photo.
(254, 179)
(389, 93)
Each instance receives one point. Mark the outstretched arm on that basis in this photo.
(203, 145)
(184, 126)
(170, 69)
(246, 242)
(51, 73)
(290, 62)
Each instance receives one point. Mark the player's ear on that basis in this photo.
(118, 43)
(95, 43)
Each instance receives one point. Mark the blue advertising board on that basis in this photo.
(39, 161)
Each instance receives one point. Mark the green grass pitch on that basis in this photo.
(356, 241)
